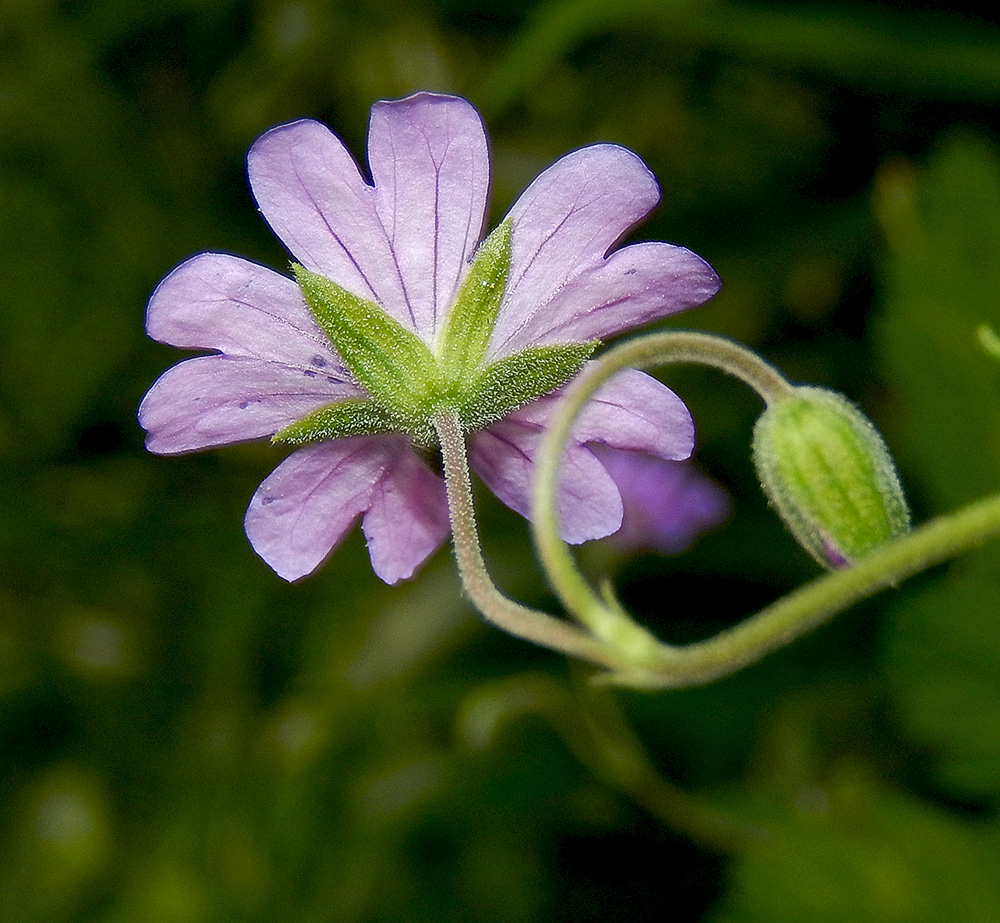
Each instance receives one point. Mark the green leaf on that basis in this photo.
(516, 380)
(942, 230)
(830, 839)
(850, 849)
(864, 46)
(471, 318)
(355, 417)
(943, 664)
(390, 362)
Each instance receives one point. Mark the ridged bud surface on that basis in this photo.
(827, 472)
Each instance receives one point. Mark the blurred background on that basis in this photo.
(185, 738)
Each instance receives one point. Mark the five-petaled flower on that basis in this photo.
(397, 309)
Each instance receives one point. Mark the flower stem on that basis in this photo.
(657, 665)
(706, 349)
(530, 624)
(606, 742)
(594, 728)
(602, 615)
(816, 602)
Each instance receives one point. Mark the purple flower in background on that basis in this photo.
(667, 504)
(400, 258)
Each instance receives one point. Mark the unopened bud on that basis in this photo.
(828, 474)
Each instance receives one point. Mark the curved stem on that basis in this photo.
(575, 593)
(512, 617)
(806, 608)
(612, 749)
(657, 665)
(706, 349)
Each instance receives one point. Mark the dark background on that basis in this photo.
(184, 737)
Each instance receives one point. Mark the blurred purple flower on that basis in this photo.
(405, 241)
(667, 504)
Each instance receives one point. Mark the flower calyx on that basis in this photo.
(406, 380)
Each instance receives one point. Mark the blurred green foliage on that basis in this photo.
(185, 738)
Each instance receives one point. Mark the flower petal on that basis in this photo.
(668, 504)
(631, 411)
(408, 518)
(306, 505)
(219, 400)
(504, 456)
(565, 222)
(636, 285)
(217, 301)
(430, 165)
(311, 193)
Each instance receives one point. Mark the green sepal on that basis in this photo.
(518, 379)
(353, 417)
(390, 362)
(471, 319)
(829, 475)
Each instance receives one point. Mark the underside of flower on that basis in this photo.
(398, 310)
(407, 381)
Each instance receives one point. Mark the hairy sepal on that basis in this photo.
(391, 363)
(828, 474)
(354, 417)
(518, 379)
(471, 319)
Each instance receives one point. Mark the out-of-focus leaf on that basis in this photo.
(839, 842)
(942, 280)
(206, 742)
(942, 226)
(850, 850)
(866, 45)
(943, 660)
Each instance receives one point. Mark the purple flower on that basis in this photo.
(401, 248)
(667, 504)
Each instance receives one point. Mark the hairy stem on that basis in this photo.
(816, 602)
(530, 624)
(654, 664)
(606, 620)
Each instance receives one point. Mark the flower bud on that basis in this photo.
(827, 472)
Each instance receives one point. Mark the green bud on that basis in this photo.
(828, 474)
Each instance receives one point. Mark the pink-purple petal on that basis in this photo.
(311, 193)
(430, 165)
(631, 411)
(634, 286)
(305, 507)
(505, 455)
(407, 519)
(565, 222)
(219, 400)
(218, 301)
(635, 411)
